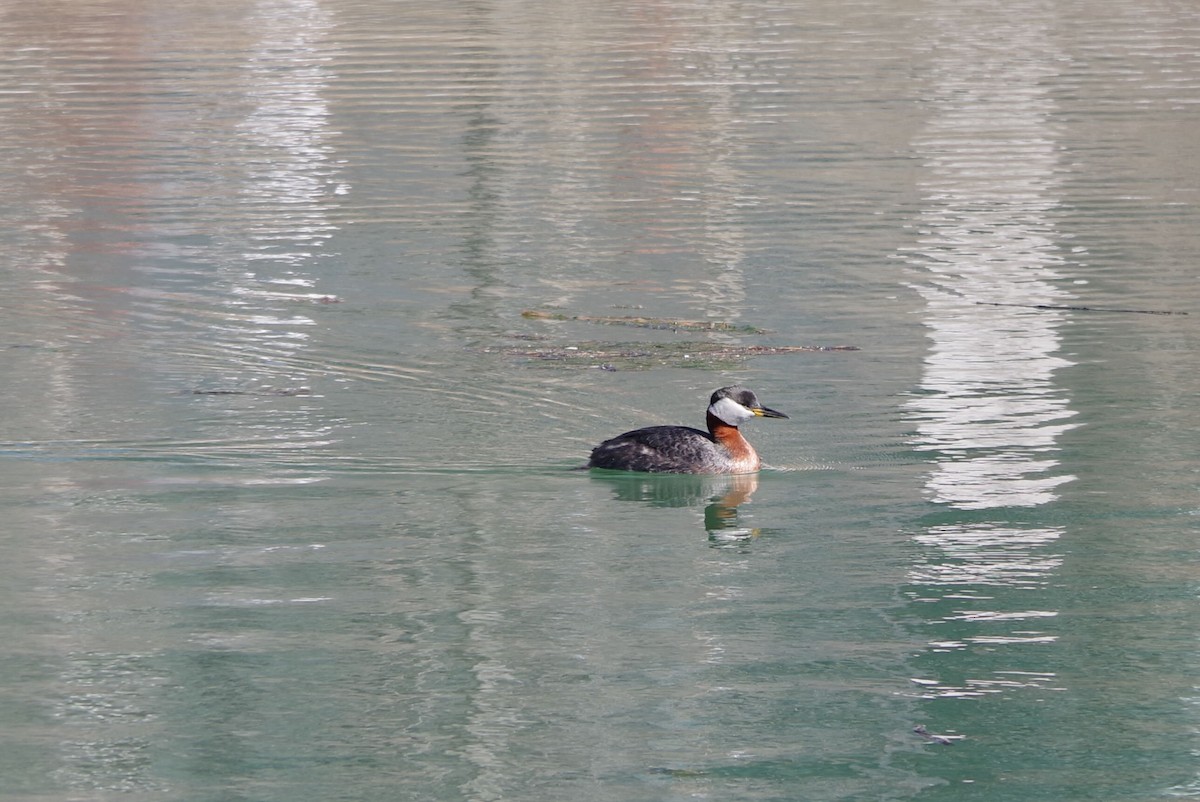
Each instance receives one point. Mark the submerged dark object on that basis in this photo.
(932, 737)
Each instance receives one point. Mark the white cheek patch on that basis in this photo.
(730, 411)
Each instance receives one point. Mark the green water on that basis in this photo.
(288, 469)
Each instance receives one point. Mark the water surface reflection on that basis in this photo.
(990, 410)
(173, 250)
(721, 496)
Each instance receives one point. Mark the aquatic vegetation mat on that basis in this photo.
(609, 355)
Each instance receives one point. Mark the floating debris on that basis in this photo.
(1083, 308)
(686, 773)
(282, 391)
(640, 356)
(605, 355)
(646, 322)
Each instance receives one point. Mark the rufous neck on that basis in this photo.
(731, 439)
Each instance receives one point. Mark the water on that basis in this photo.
(286, 463)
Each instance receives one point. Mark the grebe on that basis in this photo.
(682, 449)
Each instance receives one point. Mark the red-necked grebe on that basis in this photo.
(682, 449)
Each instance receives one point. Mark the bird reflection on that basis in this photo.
(721, 495)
